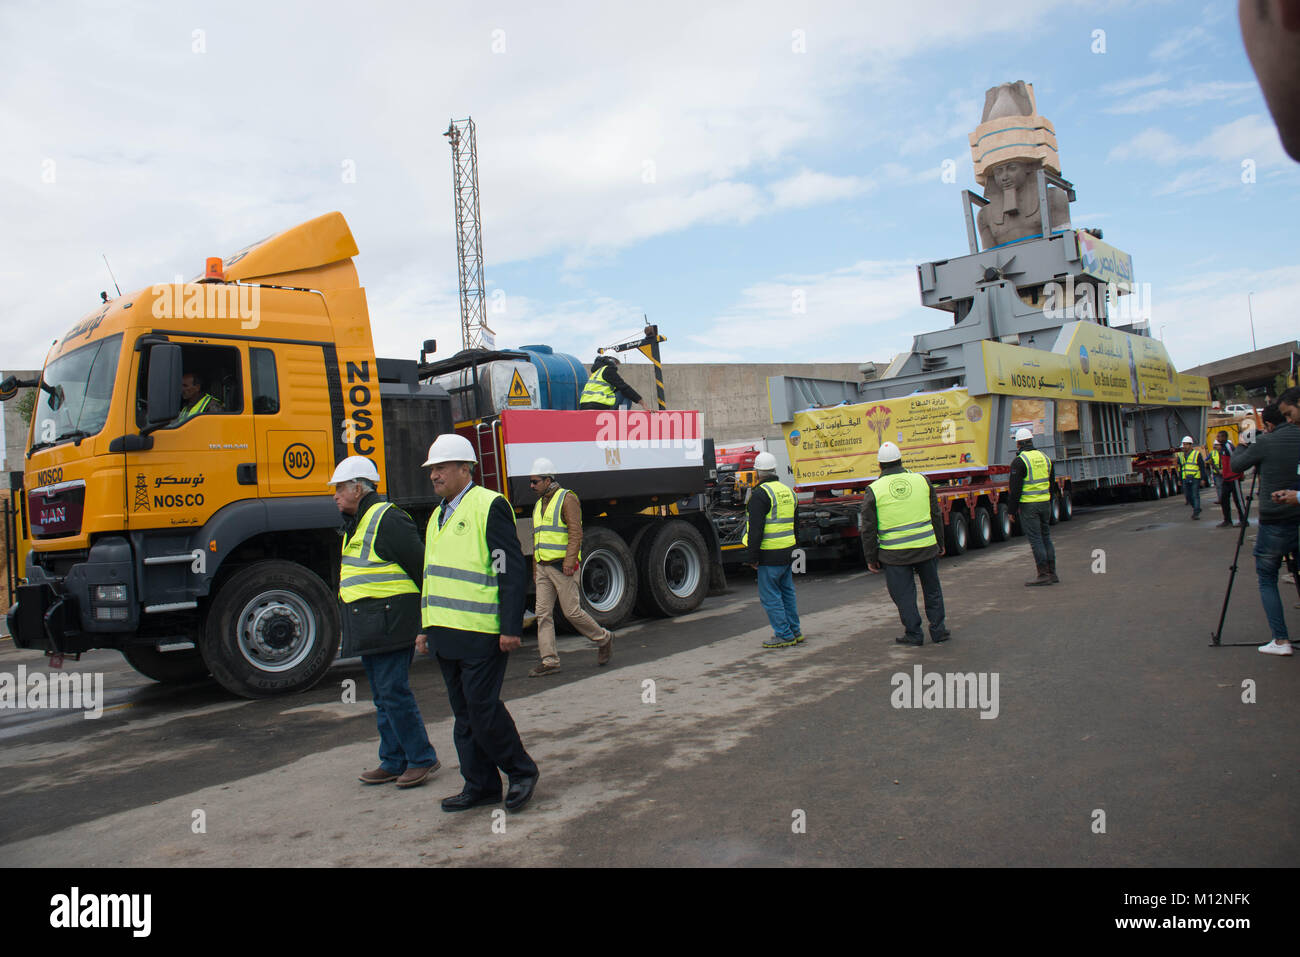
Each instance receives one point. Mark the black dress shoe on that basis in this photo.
(467, 799)
(904, 640)
(941, 637)
(520, 793)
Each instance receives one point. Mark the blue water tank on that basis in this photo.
(560, 377)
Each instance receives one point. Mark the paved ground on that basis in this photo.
(1109, 700)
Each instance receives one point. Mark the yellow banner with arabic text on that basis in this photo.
(937, 432)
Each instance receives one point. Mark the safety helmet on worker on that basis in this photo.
(1024, 435)
(450, 448)
(1187, 440)
(542, 467)
(765, 462)
(888, 454)
(354, 467)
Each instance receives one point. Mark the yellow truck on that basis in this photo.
(176, 501)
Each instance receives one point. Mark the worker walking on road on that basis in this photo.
(901, 529)
(605, 386)
(473, 611)
(557, 550)
(1030, 497)
(770, 538)
(1190, 466)
(380, 567)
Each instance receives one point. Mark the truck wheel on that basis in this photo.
(167, 667)
(981, 527)
(1002, 523)
(1067, 505)
(957, 534)
(675, 576)
(609, 584)
(1055, 515)
(639, 545)
(1167, 480)
(273, 628)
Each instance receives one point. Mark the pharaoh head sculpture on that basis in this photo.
(1009, 146)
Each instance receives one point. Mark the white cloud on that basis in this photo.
(1193, 94)
(1207, 316)
(1126, 86)
(807, 188)
(1180, 43)
(1251, 138)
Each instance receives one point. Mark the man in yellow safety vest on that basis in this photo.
(1190, 465)
(557, 550)
(1029, 498)
(472, 612)
(380, 567)
(770, 537)
(605, 385)
(901, 530)
(194, 401)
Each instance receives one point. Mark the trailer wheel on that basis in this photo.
(167, 667)
(1002, 523)
(273, 628)
(639, 545)
(981, 527)
(675, 574)
(957, 535)
(609, 583)
(1067, 505)
(1167, 482)
(1055, 515)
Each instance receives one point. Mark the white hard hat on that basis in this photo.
(542, 466)
(888, 453)
(1187, 440)
(765, 462)
(1024, 435)
(354, 467)
(450, 448)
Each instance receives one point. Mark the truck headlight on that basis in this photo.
(110, 593)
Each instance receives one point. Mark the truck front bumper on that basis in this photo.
(93, 606)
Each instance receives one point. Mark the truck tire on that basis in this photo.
(166, 667)
(1002, 523)
(675, 575)
(273, 628)
(957, 534)
(639, 545)
(609, 581)
(981, 527)
(1067, 505)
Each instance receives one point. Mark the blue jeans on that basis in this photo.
(1192, 492)
(403, 742)
(1272, 543)
(776, 592)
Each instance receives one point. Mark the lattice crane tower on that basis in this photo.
(474, 331)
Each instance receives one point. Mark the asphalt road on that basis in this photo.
(1112, 711)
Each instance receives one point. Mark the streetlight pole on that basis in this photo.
(1251, 311)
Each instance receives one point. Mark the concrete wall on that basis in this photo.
(733, 397)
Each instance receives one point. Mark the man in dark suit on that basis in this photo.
(472, 609)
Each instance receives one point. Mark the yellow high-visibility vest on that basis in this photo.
(550, 534)
(1037, 469)
(460, 588)
(1189, 466)
(903, 511)
(598, 390)
(778, 526)
(362, 573)
(1214, 457)
(196, 409)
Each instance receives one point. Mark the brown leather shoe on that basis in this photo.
(544, 669)
(413, 777)
(605, 650)
(377, 776)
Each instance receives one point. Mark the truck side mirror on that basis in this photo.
(164, 384)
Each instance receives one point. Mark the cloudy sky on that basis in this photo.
(703, 163)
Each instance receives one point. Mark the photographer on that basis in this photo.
(1275, 455)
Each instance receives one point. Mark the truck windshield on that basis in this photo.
(77, 391)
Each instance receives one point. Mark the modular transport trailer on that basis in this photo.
(1030, 345)
(209, 543)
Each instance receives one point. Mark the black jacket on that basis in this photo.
(1276, 455)
(615, 380)
(870, 533)
(1018, 473)
(513, 585)
(759, 505)
(374, 626)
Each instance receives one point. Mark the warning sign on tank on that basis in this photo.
(518, 394)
